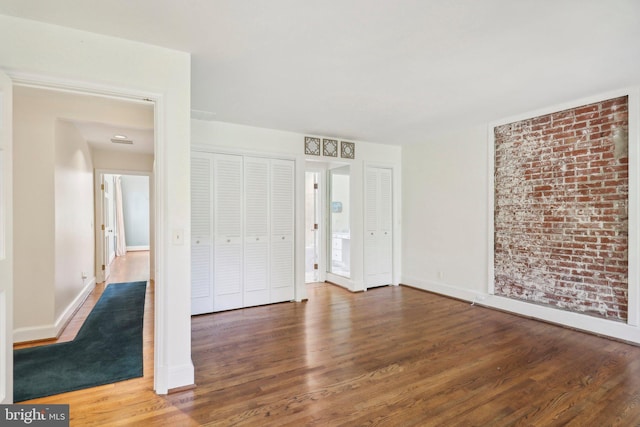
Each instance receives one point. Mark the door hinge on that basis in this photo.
(102, 267)
(102, 187)
(102, 227)
(315, 226)
(315, 185)
(315, 266)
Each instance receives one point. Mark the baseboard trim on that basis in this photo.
(137, 248)
(53, 331)
(180, 376)
(583, 322)
(181, 389)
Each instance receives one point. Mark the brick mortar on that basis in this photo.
(561, 209)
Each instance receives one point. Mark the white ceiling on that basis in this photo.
(389, 71)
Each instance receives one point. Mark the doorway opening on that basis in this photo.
(123, 218)
(67, 154)
(339, 222)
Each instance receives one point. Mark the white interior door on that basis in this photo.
(105, 225)
(109, 220)
(99, 210)
(385, 245)
(6, 241)
(378, 241)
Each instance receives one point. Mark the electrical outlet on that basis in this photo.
(440, 275)
(84, 275)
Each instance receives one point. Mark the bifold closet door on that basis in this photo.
(378, 242)
(242, 212)
(282, 220)
(228, 233)
(201, 234)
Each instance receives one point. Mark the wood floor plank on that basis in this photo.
(392, 356)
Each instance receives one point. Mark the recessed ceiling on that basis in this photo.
(100, 136)
(380, 71)
(97, 119)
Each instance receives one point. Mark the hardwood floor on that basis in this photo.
(389, 356)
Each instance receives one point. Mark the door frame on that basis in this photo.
(321, 233)
(102, 264)
(98, 175)
(161, 351)
(6, 239)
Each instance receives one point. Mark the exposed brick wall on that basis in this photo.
(561, 203)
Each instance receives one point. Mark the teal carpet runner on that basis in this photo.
(107, 349)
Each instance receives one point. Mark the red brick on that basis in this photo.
(586, 109)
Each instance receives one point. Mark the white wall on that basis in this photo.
(444, 240)
(119, 161)
(108, 64)
(247, 139)
(74, 230)
(34, 232)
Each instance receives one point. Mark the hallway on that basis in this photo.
(132, 267)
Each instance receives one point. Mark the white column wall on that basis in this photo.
(110, 65)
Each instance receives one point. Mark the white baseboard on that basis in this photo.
(583, 322)
(347, 283)
(51, 331)
(181, 376)
(137, 248)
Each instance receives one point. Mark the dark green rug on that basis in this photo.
(107, 349)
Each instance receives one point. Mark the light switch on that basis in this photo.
(178, 236)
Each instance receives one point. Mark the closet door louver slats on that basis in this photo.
(256, 250)
(201, 246)
(282, 230)
(227, 219)
(243, 222)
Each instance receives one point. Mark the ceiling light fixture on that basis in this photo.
(121, 141)
(120, 136)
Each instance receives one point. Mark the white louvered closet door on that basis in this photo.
(371, 227)
(256, 241)
(201, 234)
(378, 242)
(282, 221)
(228, 233)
